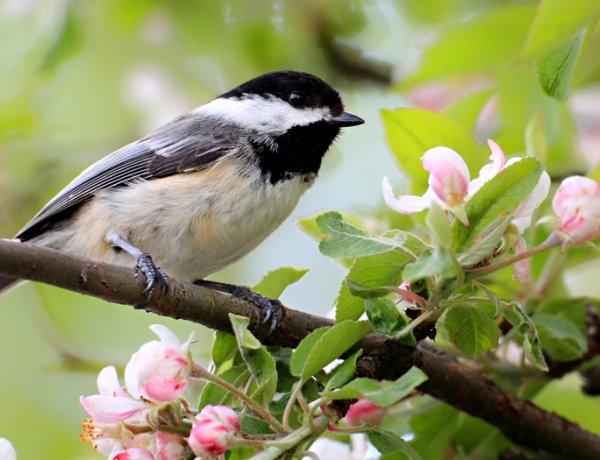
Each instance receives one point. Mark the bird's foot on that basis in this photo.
(153, 274)
(270, 309)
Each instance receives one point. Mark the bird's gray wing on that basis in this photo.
(181, 146)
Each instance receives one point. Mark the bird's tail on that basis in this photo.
(6, 283)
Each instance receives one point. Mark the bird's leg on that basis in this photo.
(152, 273)
(271, 308)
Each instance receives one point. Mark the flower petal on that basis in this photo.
(449, 175)
(165, 335)
(523, 214)
(405, 204)
(108, 409)
(489, 170)
(108, 383)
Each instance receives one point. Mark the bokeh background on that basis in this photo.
(79, 79)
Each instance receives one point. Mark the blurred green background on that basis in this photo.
(80, 79)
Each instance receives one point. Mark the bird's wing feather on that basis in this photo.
(179, 147)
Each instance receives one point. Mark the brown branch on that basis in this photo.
(449, 380)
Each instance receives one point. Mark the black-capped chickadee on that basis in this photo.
(203, 190)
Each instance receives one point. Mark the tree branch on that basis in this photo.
(383, 358)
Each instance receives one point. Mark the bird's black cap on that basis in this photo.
(285, 82)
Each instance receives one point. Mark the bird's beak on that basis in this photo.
(345, 119)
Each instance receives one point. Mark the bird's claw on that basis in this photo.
(153, 274)
(271, 308)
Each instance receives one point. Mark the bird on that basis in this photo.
(202, 190)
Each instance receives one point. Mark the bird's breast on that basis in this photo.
(193, 224)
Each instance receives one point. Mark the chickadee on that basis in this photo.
(203, 190)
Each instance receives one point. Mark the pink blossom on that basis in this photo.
(7, 450)
(450, 186)
(105, 437)
(112, 404)
(489, 170)
(134, 453)
(448, 183)
(170, 446)
(159, 370)
(364, 411)
(213, 430)
(577, 205)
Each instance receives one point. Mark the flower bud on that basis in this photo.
(134, 453)
(213, 430)
(364, 411)
(577, 205)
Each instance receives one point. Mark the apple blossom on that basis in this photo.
(577, 205)
(134, 453)
(159, 370)
(213, 430)
(7, 450)
(112, 404)
(448, 183)
(364, 411)
(105, 437)
(170, 446)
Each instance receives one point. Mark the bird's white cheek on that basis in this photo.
(269, 116)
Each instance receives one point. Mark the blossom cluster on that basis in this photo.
(576, 201)
(144, 422)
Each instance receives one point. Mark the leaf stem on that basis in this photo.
(414, 323)
(290, 405)
(200, 372)
(552, 241)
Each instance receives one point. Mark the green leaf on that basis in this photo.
(399, 389)
(486, 243)
(245, 338)
(526, 330)
(254, 425)
(348, 306)
(343, 373)
(470, 330)
(433, 430)
(498, 198)
(557, 22)
(330, 345)
(387, 442)
(560, 338)
(276, 281)
(384, 316)
(366, 292)
(411, 132)
(344, 240)
(440, 263)
(259, 361)
(438, 222)
(479, 45)
(376, 271)
(354, 389)
(381, 394)
(555, 70)
(224, 347)
(303, 350)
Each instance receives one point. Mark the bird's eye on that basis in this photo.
(297, 99)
